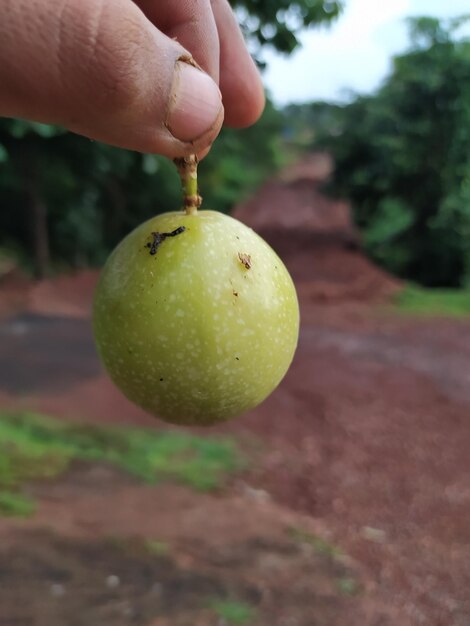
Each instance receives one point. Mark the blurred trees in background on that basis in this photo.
(65, 201)
(403, 157)
(277, 23)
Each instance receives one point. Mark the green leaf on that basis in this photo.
(3, 154)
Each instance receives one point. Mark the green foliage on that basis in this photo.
(16, 505)
(277, 22)
(403, 158)
(384, 231)
(304, 123)
(94, 193)
(348, 586)
(35, 447)
(157, 548)
(233, 612)
(439, 302)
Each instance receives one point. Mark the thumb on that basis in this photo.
(101, 69)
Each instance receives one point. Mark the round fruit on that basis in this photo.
(195, 317)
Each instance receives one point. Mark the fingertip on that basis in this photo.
(240, 80)
(203, 153)
(247, 107)
(195, 103)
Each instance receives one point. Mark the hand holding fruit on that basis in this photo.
(118, 71)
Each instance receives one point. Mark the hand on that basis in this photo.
(124, 72)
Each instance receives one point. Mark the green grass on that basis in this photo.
(16, 505)
(320, 545)
(233, 612)
(157, 548)
(348, 586)
(440, 302)
(37, 447)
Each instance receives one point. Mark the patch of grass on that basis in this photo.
(347, 586)
(33, 447)
(320, 545)
(16, 505)
(233, 611)
(157, 548)
(417, 300)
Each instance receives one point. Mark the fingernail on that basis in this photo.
(195, 103)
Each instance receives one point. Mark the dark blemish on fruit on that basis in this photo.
(235, 293)
(175, 232)
(237, 358)
(245, 259)
(161, 380)
(158, 238)
(238, 238)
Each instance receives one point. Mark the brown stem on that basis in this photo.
(187, 169)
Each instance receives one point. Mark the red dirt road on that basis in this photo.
(368, 435)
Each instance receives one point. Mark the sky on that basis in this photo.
(352, 55)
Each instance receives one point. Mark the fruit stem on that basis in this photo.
(187, 169)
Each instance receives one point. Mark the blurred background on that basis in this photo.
(345, 497)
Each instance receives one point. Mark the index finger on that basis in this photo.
(192, 24)
(240, 81)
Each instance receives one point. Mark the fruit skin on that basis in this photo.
(204, 328)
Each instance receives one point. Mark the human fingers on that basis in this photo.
(190, 23)
(240, 81)
(103, 70)
(208, 29)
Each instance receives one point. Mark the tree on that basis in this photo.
(277, 23)
(67, 199)
(403, 158)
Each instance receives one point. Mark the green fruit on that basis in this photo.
(195, 317)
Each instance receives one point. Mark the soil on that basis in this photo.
(364, 444)
(366, 440)
(84, 558)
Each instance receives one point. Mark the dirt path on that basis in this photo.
(104, 549)
(367, 440)
(374, 429)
